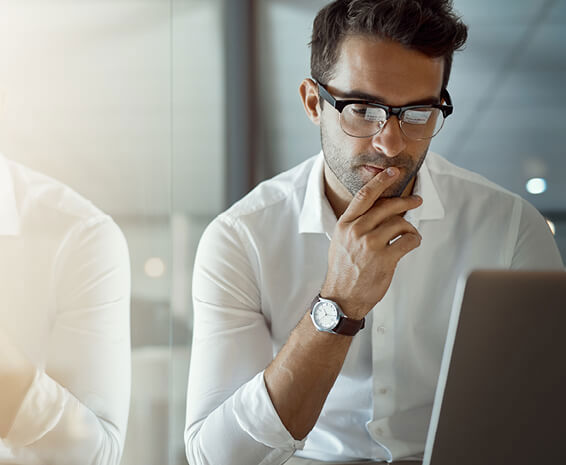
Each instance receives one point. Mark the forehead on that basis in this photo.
(386, 69)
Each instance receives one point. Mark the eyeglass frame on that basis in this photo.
(339, 105)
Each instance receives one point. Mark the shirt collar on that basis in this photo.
(9, 215)
(318, 217)
(432, 208)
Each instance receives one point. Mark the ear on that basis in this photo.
(309, 96)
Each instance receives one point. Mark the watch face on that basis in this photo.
(326, 315)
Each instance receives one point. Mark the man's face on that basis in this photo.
(387, 73)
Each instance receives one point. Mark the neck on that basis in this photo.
(338, 196)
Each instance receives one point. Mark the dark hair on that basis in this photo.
(429, 26)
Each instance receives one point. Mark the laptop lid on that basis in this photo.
(501, 393)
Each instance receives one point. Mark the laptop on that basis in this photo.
(501, 394)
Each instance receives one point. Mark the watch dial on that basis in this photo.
(326, 315)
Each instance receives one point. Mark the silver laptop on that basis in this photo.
(501, 395)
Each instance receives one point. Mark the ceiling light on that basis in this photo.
(154, 267)
(536, 185)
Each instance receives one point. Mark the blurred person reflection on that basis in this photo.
(64, 325)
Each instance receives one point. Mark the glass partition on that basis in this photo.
(86, 98)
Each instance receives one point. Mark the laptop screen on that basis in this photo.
(501, 394)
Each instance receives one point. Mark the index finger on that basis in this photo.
(369, 193)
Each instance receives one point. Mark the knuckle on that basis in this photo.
(364, 193)
(341, 223)
(416, 232)
(411, 229)
(413, 240)
(407, 243)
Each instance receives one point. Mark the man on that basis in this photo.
(376, 227)
(64, 325)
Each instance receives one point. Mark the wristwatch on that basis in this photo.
(327, 316)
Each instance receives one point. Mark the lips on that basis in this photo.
(373, 169)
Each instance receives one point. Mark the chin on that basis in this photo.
(397, 189)
(392, 192)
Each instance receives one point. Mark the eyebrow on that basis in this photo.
(359, 95)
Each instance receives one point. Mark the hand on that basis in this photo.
(361, 259)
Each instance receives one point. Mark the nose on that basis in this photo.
(390, 140)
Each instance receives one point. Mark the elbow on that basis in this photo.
(192, 450)
(110, 447)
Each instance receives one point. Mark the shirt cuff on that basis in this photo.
(40, 411)
(257, 416)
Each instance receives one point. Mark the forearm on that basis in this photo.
(250, 429)
(264, 420)
(302, 374)
(14, 388)
(16, 376)
(56, 426)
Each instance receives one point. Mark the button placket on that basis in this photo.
(383, 356)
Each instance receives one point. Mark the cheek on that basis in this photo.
(330, 122)
(416, 151)
(334, 137)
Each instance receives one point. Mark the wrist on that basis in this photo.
(328, 316)
(351, 309)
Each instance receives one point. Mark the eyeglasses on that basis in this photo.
(361, 118)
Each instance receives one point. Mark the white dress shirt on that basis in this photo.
(258, 267)
(65, 281)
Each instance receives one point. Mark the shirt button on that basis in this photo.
(383, 391)
(381, 330)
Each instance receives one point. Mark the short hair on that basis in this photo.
(428, 26)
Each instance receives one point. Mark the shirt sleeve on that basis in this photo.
(230, 416)
(76, 410)
(535, 248)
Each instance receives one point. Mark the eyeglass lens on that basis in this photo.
(360, 120)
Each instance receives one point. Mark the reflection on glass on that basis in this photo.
(85, 97)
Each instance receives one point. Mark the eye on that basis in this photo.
(417, 116)
(374, 114)
(356, 111)
(364, 112)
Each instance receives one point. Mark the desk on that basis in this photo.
(301, 461)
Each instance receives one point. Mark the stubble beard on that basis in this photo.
(348, 169)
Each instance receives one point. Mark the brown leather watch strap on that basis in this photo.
(349, 326)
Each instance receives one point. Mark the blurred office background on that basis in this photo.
(163, 112)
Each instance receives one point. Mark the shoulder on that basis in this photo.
(38, 193)
(490, 225)
(64, 217)
(443, 170)
(494, 214)
(459, 186)
(271, 197)
(273, 205)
